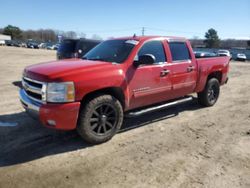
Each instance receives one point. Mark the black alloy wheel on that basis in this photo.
(103, 119)
(100, 118)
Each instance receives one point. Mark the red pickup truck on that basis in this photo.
(125, 76)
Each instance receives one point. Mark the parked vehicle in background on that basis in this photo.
(8, 42)
(2, 42)
(85, 45)
(241, 57)
(12, 43)
(224, 53)
(42, 45)
(66, 49)
(200, 54)
(126, 76)
(52, 46)
(23, 44)
(55, 46)
(32, 44)
(75, 48)
(48, 45)
(16, 43)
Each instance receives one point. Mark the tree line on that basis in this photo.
(42, 35)
(212, 39)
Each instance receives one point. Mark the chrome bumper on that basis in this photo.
(32, 107)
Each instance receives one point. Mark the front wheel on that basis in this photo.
(100, 119)
(210, 94)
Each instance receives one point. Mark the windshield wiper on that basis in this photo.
(96, 59)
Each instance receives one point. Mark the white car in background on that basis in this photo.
(2, 42)
(201, 54)
(53, 47)
(224, 53)
(241, 57)
(42, 45)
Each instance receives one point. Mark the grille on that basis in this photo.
(34, 89)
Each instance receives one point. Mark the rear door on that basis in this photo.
(149, 84)
(183, 71)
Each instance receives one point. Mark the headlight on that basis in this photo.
(61, 92)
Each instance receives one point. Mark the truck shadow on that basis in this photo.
(23, 139)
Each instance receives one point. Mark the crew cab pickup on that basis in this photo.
(124, 76)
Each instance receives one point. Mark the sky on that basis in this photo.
(116, 18)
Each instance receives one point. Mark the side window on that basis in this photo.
(155, 48)
(179, 51)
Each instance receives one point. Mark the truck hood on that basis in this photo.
(57, 70)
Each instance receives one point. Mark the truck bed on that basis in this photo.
(208, 65)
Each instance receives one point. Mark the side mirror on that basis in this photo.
(147, 59)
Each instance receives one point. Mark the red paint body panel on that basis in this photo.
(141, 86)
(65, 115)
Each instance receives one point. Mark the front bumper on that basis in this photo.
(58, 116)
(32, 107)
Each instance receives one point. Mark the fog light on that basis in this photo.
(51, 122)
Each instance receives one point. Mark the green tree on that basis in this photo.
(212, 39)
(13, 31)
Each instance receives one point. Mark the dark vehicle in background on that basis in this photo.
(32, 44)
(75, 48)
(8, 42)
(85, 45)
(12, 43)
(66, 49)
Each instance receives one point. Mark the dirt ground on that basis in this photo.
(184, 146)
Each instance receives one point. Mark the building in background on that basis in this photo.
(3, 38)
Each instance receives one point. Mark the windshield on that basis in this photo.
(115, 51)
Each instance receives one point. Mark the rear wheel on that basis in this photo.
(210, 94)
(100, 119)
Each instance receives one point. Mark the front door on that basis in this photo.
(149, 84)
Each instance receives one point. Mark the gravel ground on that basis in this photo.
(184, 146)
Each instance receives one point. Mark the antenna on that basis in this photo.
(142, 31)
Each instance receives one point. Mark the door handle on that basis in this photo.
(164, 72)
(190, 68)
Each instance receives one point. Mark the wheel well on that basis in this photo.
(217, 75)
(114, 91)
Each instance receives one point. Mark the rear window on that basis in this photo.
(179, 51)
(67, 46)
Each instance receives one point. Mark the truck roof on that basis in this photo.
(143, 38)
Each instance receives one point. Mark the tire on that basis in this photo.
(100, 119)
(210, 94)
